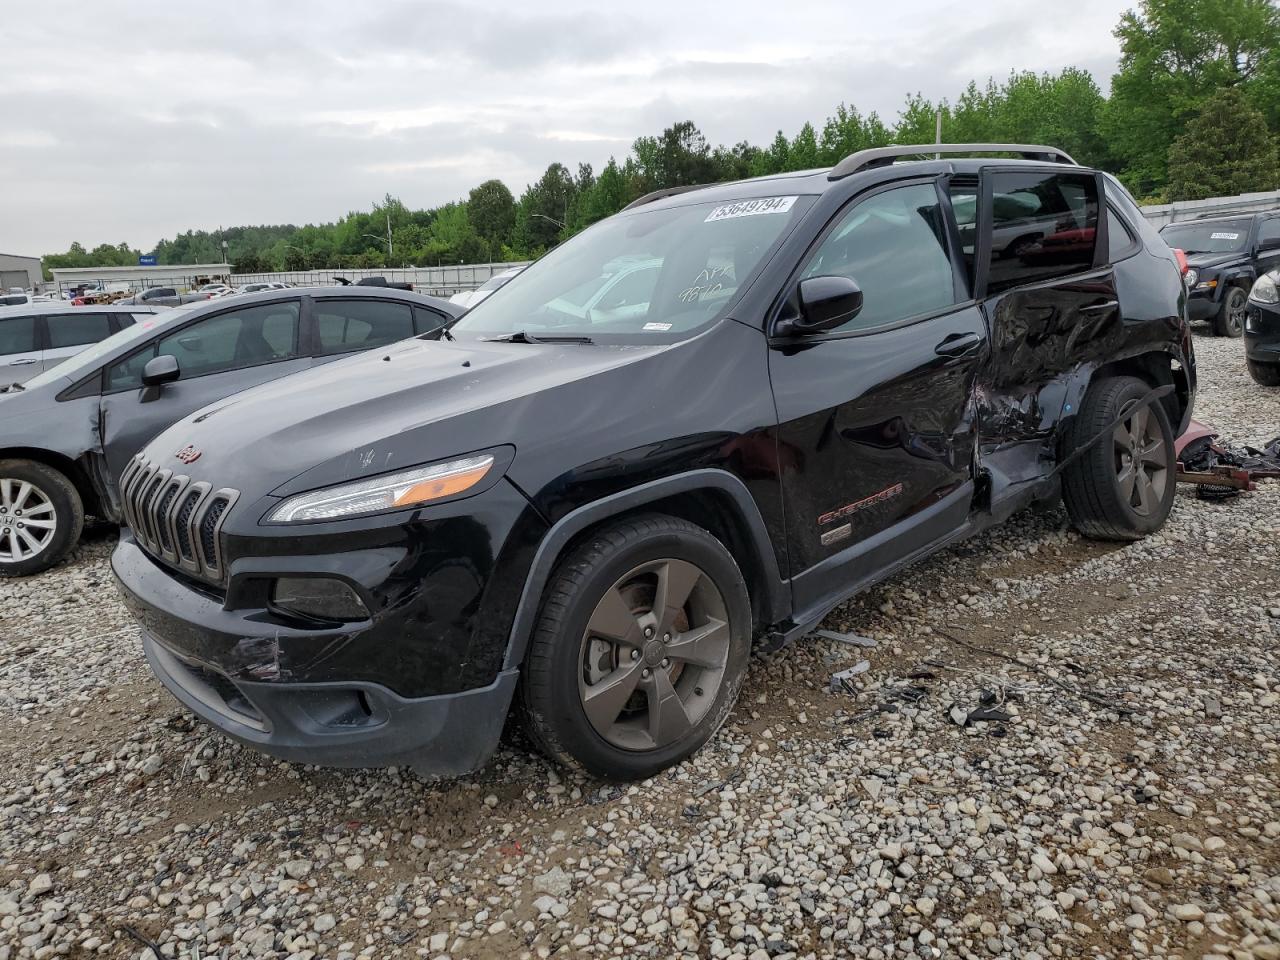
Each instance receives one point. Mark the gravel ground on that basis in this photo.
(1128, 806)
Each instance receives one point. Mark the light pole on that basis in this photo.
(543, 216)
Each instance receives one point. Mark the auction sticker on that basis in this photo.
(660, 327)
(751, 208)
(1224, 236)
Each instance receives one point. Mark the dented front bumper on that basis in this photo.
(233, 668)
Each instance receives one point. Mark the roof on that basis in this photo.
(65, 306)
(88, 273)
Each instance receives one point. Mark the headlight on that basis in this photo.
(1265, 289)
(407, 488)
(1190, 278)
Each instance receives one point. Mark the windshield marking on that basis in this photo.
(751, 208)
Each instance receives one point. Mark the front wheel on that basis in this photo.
(41, 517)
(640, 649)
(1267, 374)
(1123, 487)
(1230, 319)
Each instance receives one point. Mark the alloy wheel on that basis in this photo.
(1142, 461)
(1237, 304)
(28, 520)
(653, 655)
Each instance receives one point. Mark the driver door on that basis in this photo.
(217, 356)
(876, 417)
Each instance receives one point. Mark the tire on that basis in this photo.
(33, 495)
(1267, 374)
(606, 588)
(1101, 499)
(1230, 319)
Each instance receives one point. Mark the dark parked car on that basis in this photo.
(1226, 255)
(39, 336)
(1262, 330)
(598, 517)
(66, 435)
(165, 297)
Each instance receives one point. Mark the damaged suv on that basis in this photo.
(593, 517)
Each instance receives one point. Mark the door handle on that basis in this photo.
(959, 345)
(23, 362)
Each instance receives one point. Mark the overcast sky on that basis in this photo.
(134, 120)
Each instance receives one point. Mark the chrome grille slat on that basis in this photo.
(175, 519)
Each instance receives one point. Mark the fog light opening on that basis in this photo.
(324, 599)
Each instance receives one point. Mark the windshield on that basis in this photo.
(87, 359)
(1219, 236)
(633, 278)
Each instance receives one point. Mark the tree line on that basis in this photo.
(1193, 112)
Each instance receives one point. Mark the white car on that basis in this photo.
(469, 298)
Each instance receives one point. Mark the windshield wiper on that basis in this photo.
(521, 336)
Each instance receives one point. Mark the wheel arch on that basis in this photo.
(1159, 368)
(71, 469)
(713, 499)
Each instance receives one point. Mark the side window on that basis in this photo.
(424, 320)
(346, 325)
(228, 341)
(1120, 239)
(77, 329)
(890, 245)
(17, 335)
(1269, 231)
(1044, 225)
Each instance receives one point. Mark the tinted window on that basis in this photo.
(1270, 230)
(228, 341)
(346, 325)
(891, 245)
(1208, 236)
(424, 321)
(1120, 241)
(17, 335)
(77, 329)
(1043, 225)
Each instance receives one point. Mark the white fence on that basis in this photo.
(440, 281)
(1160, 214)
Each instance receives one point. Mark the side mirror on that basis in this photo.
(160, 370)
(825, 303)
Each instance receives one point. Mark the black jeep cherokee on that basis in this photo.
(694, 428)
(1225, 256)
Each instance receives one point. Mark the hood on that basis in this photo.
(388, 409)
(1202, 260)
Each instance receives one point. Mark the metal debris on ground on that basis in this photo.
(1220, 469)
(852, 639)
(840, 681)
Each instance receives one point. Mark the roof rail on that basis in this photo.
(883, 156)
(663, 194)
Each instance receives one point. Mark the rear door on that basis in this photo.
(21, 354)
(66, 334)
(1049, 295)
(875, 418)
(217, 355)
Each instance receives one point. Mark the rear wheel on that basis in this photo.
(1230, 319)
(41, 517)
(1123, 487)
(640, 650)
(1267, 374)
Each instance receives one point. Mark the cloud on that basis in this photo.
(298, 111)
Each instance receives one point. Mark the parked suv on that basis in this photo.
(66, 435)
(1225, 255)
(597, 518)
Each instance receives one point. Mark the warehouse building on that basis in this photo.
(20, 272)
(179, 275)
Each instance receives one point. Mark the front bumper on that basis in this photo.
(241, 675)
(1262, 332)
(1203, 306)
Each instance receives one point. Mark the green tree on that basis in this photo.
(1226, 150)
(1174, 55)
(492, 211)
